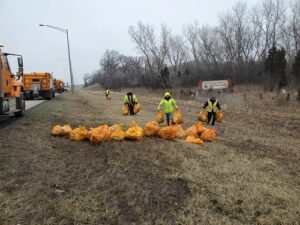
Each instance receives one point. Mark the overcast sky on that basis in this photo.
(94, 26)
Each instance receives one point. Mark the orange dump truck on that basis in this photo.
(59, 86)
(38, 85)
(11, 86)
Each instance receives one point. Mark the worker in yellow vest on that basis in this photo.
(130, 100)
(168, 106)
(107, 94)
(212, 106)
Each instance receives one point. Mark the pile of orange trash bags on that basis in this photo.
(196, 134)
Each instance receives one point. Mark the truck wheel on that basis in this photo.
(22, 111)
(49, 96)
(27, 96)
(31, 96)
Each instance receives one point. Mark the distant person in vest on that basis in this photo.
(168, 106)
(107, 93)
(212, 106)
(130, 99)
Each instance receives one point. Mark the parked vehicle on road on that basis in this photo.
(59, 86)
(11, 86)
(38, 85)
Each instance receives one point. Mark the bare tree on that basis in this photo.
(235, 48)
(176, 53)
(191, 33)
(273, 14)
(236, 33)
(292, 30)
(110, 61)
(208, 42)
(86, 78)
(226, 32)
(130, 64)
(155, 50)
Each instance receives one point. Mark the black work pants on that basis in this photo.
(211, 116)
(169, 117)
(131, 111)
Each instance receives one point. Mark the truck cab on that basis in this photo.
(11, 86)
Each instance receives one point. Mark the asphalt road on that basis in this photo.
(29, 104)
(5, 120)
(32, 103)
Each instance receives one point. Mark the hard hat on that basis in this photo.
(167, 94)
(213, 98)
(1, 45)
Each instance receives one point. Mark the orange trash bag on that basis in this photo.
(117, 133)
(192, 131)
(180, 134)
(99, 134)
(135, 132)
(55, 131)
(193, 140)
(177, 117)
(199, 127)
(160, 117)
(208, 135)
(115, 127)
(58, 130)
(151, 129)
(125, 110)
(136, 108)
(219, 116)
(202, 116)
(78, 134)
(168, 133)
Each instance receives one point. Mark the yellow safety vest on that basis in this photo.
(212, 107)
(126, 99)
(167, 106)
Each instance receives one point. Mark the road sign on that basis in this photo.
(215, 85)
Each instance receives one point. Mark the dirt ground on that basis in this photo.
(250, 175)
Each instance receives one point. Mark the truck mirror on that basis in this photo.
(20, 63)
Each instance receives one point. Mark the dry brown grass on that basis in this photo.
(250, 175)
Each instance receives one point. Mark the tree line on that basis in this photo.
(257, 44)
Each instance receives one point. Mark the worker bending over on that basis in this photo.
(168, 106)
(212, 106)
(130, 100)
